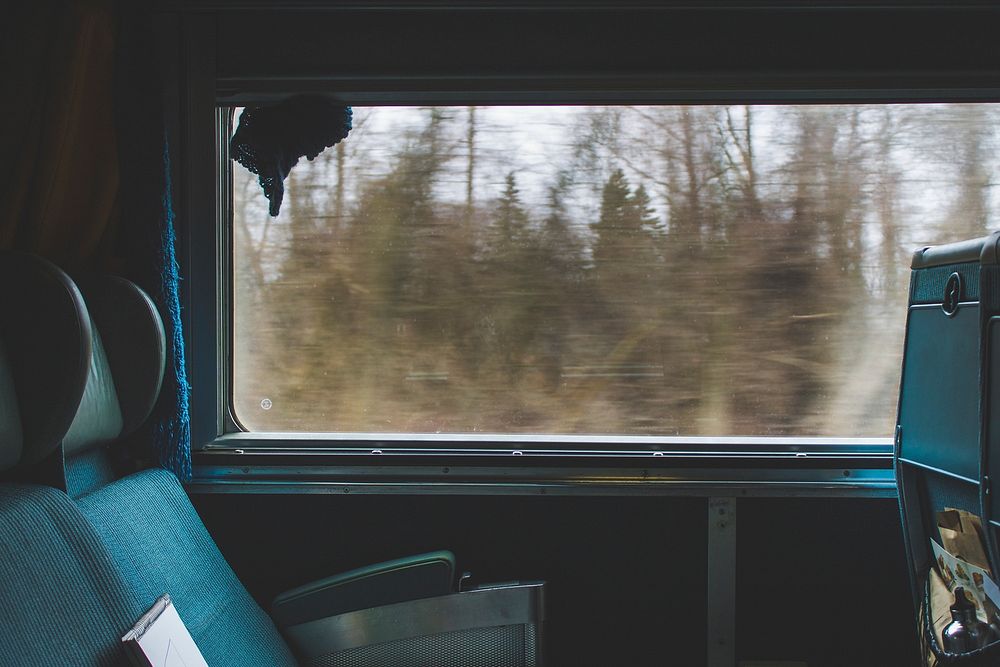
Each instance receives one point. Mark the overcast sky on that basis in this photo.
(536, 142)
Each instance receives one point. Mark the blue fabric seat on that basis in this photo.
(100, 555)
(63, 600)
(75, 576)
(152, 531)
(161, 546)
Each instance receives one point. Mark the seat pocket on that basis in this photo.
(930, 647)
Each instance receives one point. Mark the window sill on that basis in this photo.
(700, 467)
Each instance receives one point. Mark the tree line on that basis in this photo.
(708, 270)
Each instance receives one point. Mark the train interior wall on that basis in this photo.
(819, 581)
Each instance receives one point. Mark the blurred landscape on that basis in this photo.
(698, 270)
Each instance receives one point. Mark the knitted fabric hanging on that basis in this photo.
(172, 432)
(270, 140)
(149, 237)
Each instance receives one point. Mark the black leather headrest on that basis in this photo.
(134, 341)
(127, 364)
(77, 369)
(98, 420)
(45, 329)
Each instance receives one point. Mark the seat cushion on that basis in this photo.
(161, 546)
(62, 600)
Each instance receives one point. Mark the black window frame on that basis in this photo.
(230, 460)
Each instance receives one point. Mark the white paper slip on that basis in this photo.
(160, 639)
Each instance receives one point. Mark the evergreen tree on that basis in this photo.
(511, 221)
(612, 230)
(513, 269)
(561, 289)
(649, 224)
(625, 248)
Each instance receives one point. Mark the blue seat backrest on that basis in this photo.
(146, 520)
(161, 546)
(62, 600)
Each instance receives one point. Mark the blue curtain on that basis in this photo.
(172, 430)
(148, 241)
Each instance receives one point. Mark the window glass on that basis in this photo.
(623, 270)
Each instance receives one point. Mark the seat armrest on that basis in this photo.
(400, 580)
(491, 624)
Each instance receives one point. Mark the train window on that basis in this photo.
(599, 270)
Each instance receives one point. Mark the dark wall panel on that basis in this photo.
(794, 50)
(825, 582)
(625, 575)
